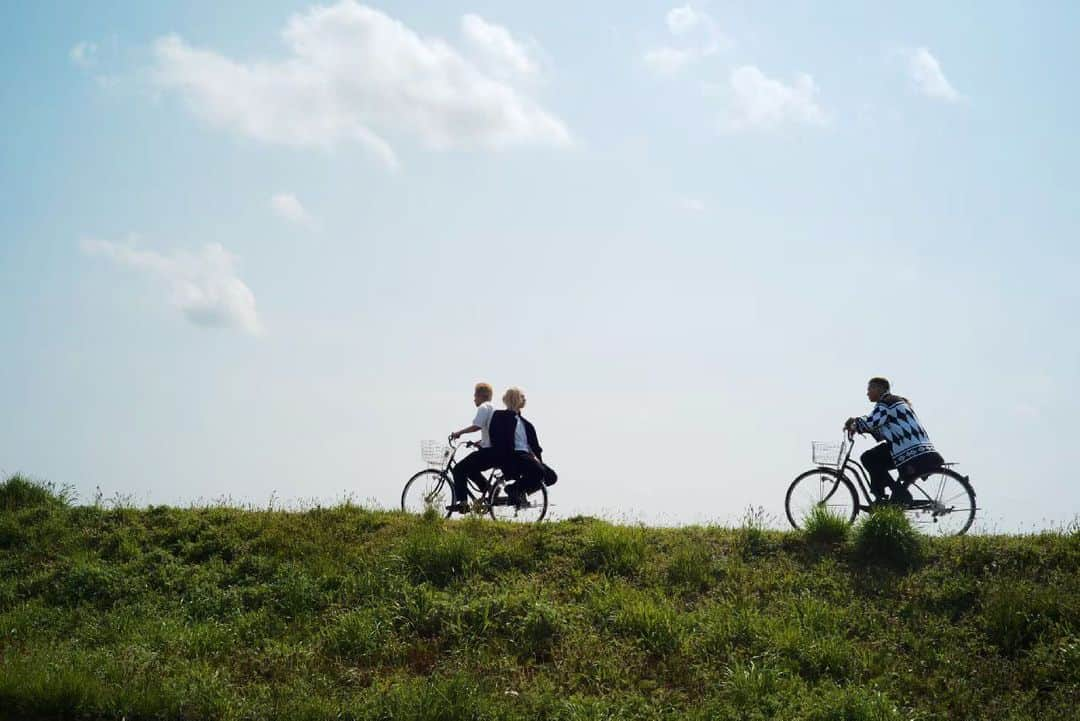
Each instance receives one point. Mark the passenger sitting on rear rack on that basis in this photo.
(517, 449)
(906, 445)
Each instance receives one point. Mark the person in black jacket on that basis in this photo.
(517, 449)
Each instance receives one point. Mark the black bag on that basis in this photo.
(550, 476)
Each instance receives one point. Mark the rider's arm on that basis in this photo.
(876, 419)
(463, 431)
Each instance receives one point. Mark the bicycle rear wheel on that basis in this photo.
(823, 488)
(426, 489)
(943, 505)
(501, 508)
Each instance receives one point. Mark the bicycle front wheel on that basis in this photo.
(823, 488)
(428, 489)
(943, 504)
(531, 510)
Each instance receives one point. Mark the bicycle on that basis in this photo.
(943, 501)
(434, 488)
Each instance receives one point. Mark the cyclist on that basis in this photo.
(906, 445)
(483, 458)
(517, 449)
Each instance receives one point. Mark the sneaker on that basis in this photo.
(901, 496)
(515, 497)
(458, 507)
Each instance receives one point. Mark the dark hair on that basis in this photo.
(880, 382)
(884, 383)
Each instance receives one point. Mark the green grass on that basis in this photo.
(823, 526)
(347, 613)
(886, 536)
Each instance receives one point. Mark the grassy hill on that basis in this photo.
(220, 613)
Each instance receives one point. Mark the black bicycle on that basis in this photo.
(943, 501)
(434, 488)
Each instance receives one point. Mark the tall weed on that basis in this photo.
(886, 536)
(823, 526)
(19, 492)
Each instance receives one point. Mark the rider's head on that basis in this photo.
(514, 398)
(482, 393)
(876, 388)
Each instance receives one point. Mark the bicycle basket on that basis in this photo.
(828, 453)
(435, 453)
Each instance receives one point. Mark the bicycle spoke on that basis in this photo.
(820, 490)
(502, 508)
(427, 489)
(945, 512)
(962, 493)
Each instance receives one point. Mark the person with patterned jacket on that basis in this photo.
(905, 447)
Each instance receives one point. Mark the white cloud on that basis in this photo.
(761, 102)
(84, 54)
(682, 20)
(503, 56)
(926, 74)
(668, 61)
(696, 36)
(203, 285)
(357, 74)
(287, 206)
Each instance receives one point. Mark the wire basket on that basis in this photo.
(828, 453)
(435, 453)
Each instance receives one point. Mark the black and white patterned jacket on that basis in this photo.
(892, 420)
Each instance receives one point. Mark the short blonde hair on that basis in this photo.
(484, 390)
(514, 398)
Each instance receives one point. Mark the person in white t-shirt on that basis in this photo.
(483, 458)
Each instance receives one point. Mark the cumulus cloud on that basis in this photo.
(695, 34)
(356, 74)
(502, 55)
(761, 102)
(928, 78)
(83, 54)
(203, 284)
(288, 207)
(682, 20)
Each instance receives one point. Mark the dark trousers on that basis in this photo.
(878, 462)
(920, 465)
(531, 473)
(473, 466)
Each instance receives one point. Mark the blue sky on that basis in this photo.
(267, 248)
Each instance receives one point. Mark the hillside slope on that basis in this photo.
(348, 613)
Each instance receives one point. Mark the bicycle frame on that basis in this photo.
(470, 487)
(855, 472)
(858, 475)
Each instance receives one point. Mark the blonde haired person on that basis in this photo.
(517, 449)
(473, 465)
